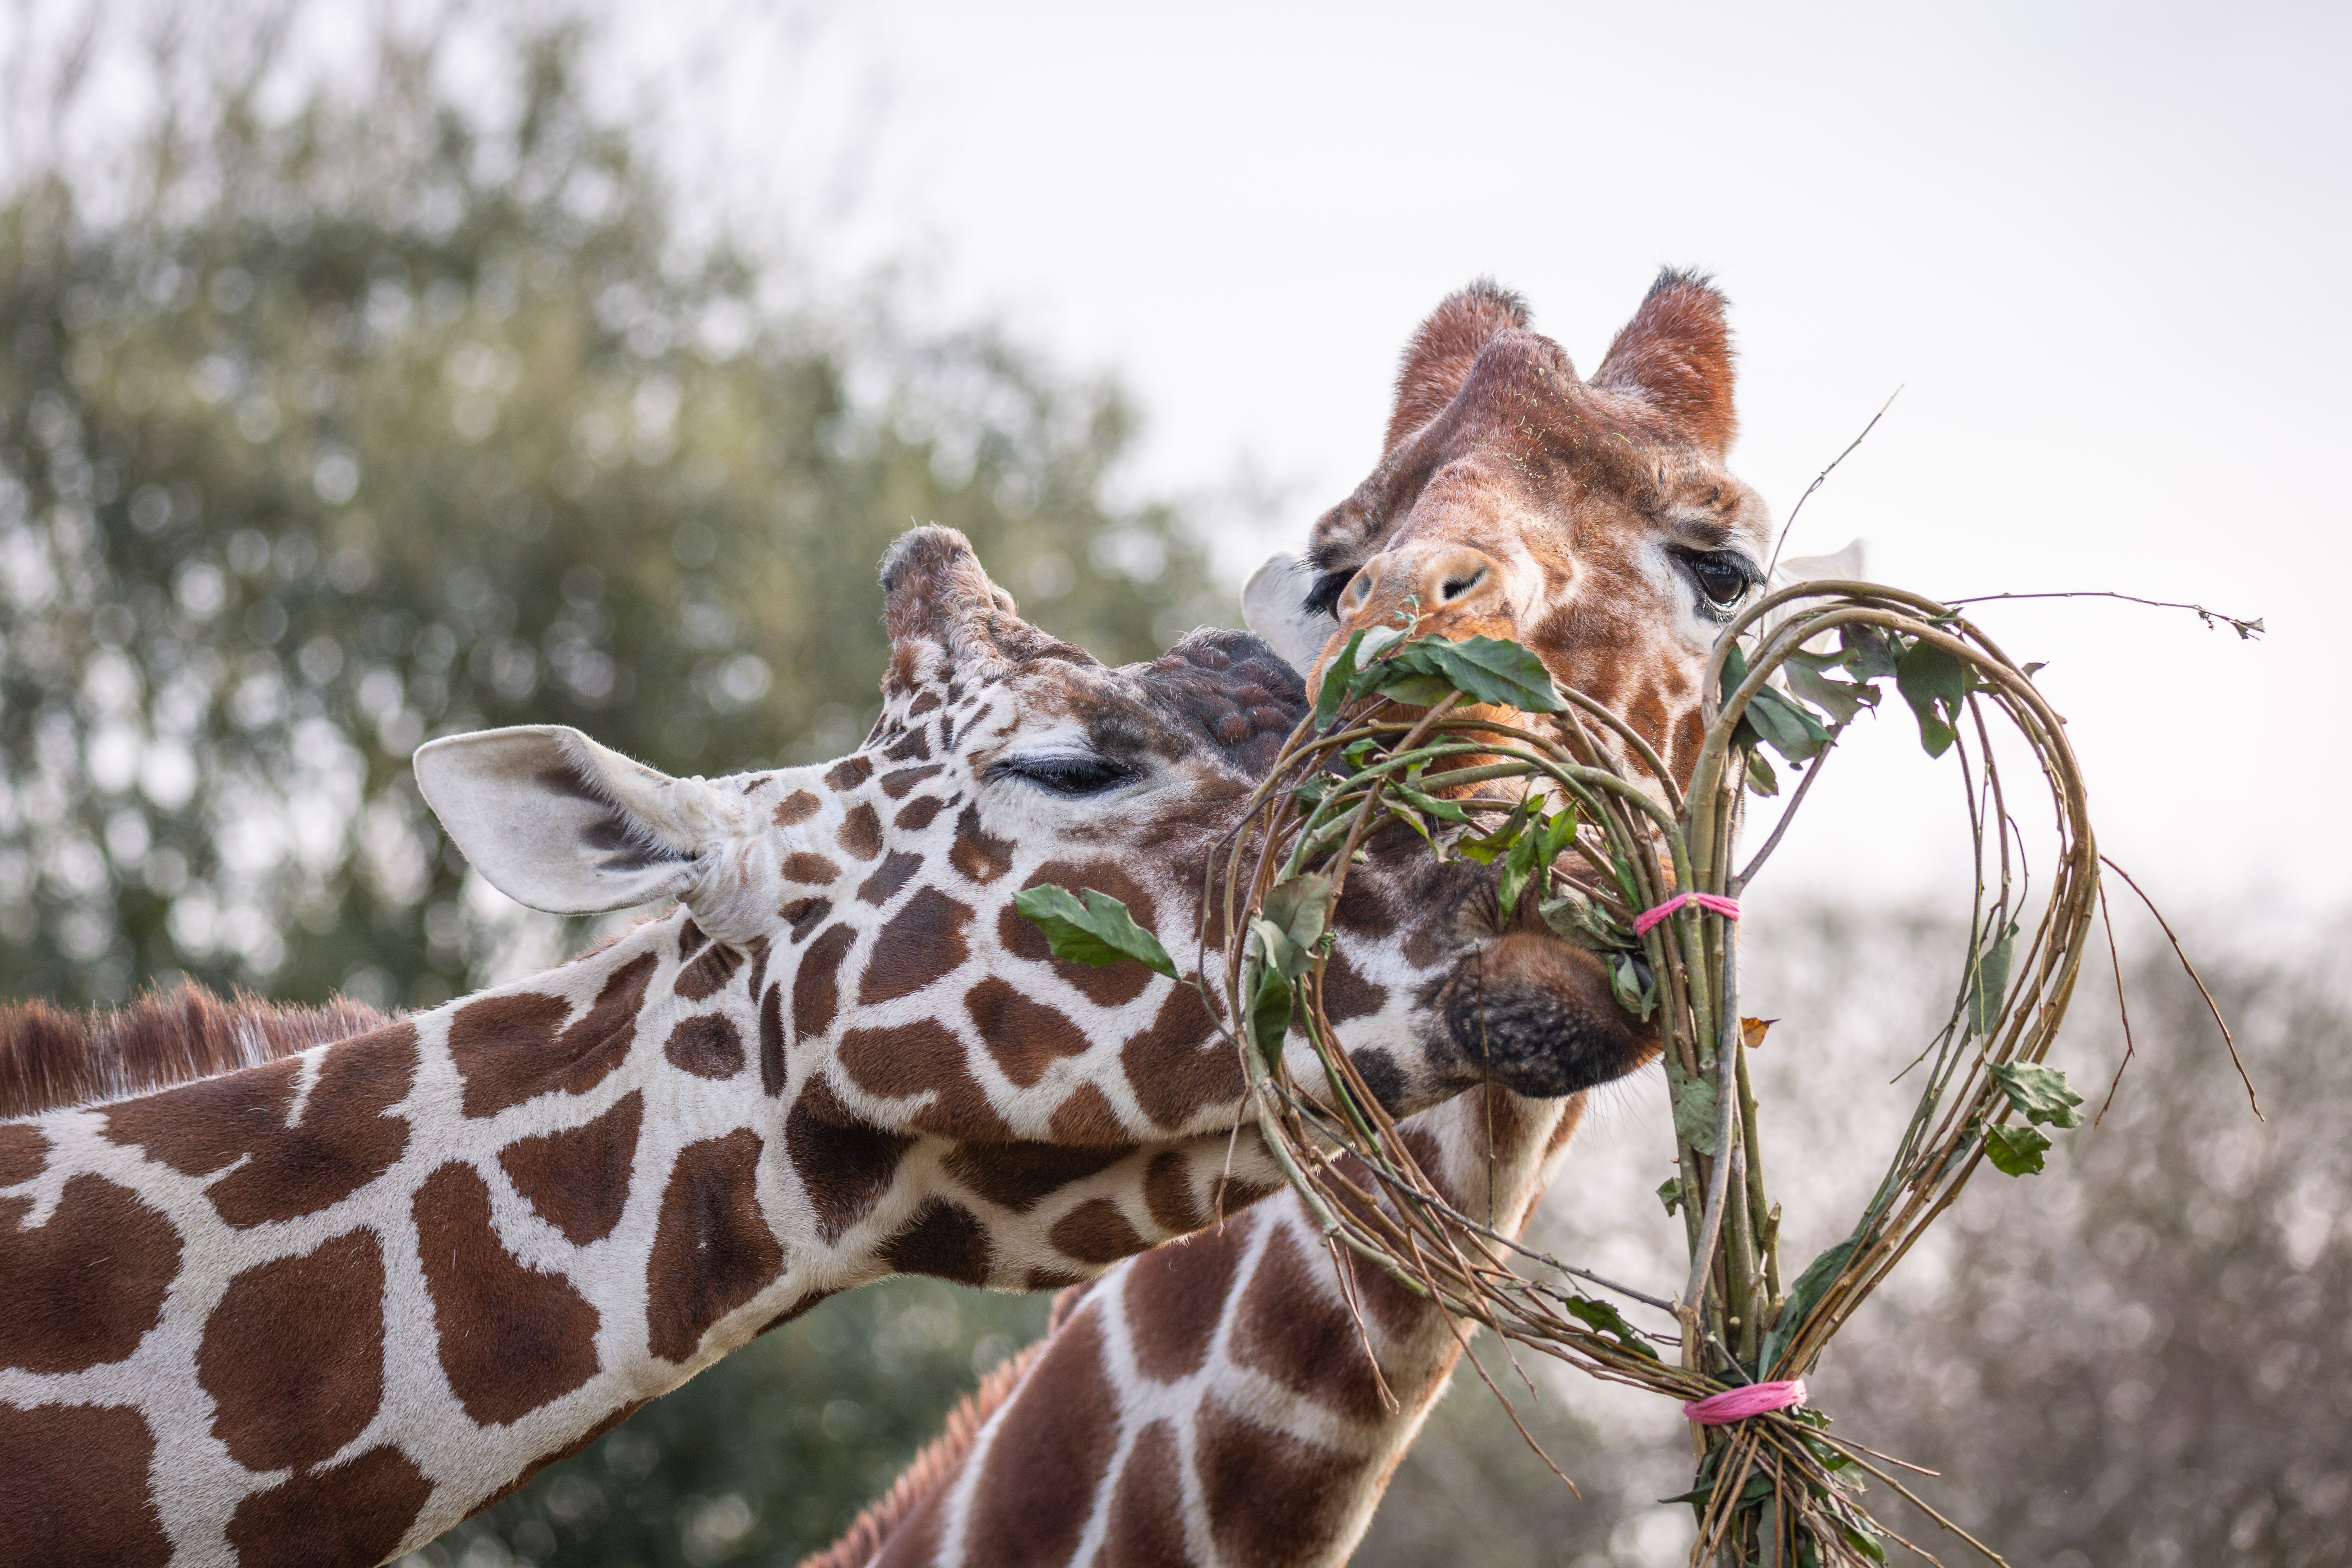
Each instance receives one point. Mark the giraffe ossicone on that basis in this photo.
(286, 1289)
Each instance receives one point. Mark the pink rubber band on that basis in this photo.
(1739, 1404)
(1728, 908)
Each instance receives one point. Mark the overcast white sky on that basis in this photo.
(2100, 247)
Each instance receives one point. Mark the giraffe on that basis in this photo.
(1211, 1401)
(355, 1277)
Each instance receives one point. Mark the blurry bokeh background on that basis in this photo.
(374, 372)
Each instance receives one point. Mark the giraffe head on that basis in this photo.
(1593, 521)
(882, 886)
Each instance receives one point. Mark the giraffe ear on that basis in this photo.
(558, 823)
(935, 591)
(1274, 607)
(1438, 359)
(1675, 356)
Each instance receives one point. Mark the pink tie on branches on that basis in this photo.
(1728, 908)
(1739, 1404)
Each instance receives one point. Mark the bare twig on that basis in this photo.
(2246, 629)
(1823, 475)
(2210, 1006)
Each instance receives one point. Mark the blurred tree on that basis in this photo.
(325, 430)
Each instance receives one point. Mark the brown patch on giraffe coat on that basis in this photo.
(845, 1164)
(799, 1309)
(507, 1051)
(756, 950)
(1177, 1064)
(1362, 911)
(511, 1337)
(1303, 1339)
(1088, 1118)
(73, 1489)
(805, 914)
(796, 807)
(860, 836)
(84, 1289)
(712, 1249)
(293, 1357)
(203, 1126)
(1021, 1175)
(1175, 1296)
(924, 1058)
(689, 937)
(706, 1045)
(1096, 1232)
(772, 1042)
(1038, 1279)
(1231, 1194)
(349, 1517)
(847, 773)
(1051, 1451)
(916, 815)
(1270, 1499)
(913, 747)
(24, 1153)
(1113, 986)
(578, 1180)
(1147, 1509)
(707, 975)
(891, 876)
(943, 1239)
(896, 784)
(808, 865)
(1168, 1193)
(1024, 1036)
(977, 855)
(926, 703)
(922, 942)
(1347, 993)
(817, 983)
(344, 1140)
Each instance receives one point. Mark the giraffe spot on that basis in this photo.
(513, 1337)
(200, 1127)
(1088, 1117)
(860, 835)
(895, 867)
(1270, 1499)
(1052, 1447)
(915, 1542)
(756, 950)
(923, 704)
(1362, 911)
(796, 807)
(799, 1309)
(1292, 1328)
(944, 1240)
(578, 1180)
(772, 1042)
(922, 942)
(707, 975)
(847, 774)
(845, 1164)
(1175, 1296)
(706, 1045)
(84, 1289)
(507, 1051)
(712, 1249)
(1231, 1194)
(817, 984)
(976, 854)
(1147, 1519)
(805, 914)
(808, 865)
(24, 1153)
(915, 814)
(1096, 1232)
(924, 1058)
(74, 1489)
(1380, 1074)
(896, 784)
(1113, 987)
(914, 748)
(293, 1357)
(344, 1141)
(349, 1516)
(689, 937)
(1025, 1036)
(1168, 1193)
(1347, 993)
(1038, 1279)
(1176, 1064)
(1021, 1175)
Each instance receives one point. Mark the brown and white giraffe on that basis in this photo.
(349, 1285)
(1210, 1401)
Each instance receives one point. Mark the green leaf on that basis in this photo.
(1838, 698)
(1989, 982)
(1694, 1103)
(1096, 930)
(2040, 1093)
(1811, 1286)
(1670, 1193)
(1534, 852)
(2015, 1151)
(1862, 1541)
(1788, 729)
(1402, 684)
(1488, 669)
(1270, 1012)
(1607, 1320)
(1336, 677)
(1578, 916)
(1735, 672)
(1934, 682)
(1300, 909)
(1631, 982)
(1489, 847)
(1433, 805)
(1760, 777)
(1867, 652)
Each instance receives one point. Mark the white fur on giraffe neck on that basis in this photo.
(737, 887)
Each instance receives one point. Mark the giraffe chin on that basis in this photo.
(1536, 1014)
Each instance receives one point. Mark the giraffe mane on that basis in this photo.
(52, 1059)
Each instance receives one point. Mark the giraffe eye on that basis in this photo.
(1722, 575)
(1069, 774)
(1323, 599)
